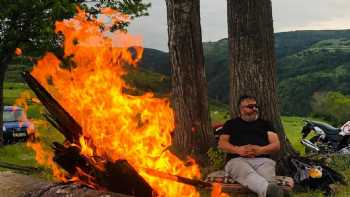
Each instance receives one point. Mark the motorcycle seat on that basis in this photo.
(328, 129)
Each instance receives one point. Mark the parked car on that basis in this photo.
(15, 124)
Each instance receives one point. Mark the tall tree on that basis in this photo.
(193, 134)
(29, 24)
(253, 63)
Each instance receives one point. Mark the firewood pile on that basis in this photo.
(118, 177)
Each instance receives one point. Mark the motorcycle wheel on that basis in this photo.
(309, 150)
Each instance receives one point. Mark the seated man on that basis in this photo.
(249, 141)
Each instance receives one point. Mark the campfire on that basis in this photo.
(113, 140)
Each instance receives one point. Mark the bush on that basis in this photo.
(217, 158)
(331, 106)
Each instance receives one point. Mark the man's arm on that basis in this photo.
(225, 145)
(273, 146)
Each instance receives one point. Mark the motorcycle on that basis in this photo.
(327, 139)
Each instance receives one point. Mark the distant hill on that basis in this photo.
(307, 62)
(156, 61)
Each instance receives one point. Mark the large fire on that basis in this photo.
(115, 125)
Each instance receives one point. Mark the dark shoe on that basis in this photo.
(274, 190)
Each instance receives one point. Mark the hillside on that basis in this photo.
(324, 66)
(307, 62)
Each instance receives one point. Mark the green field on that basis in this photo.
(20, 154)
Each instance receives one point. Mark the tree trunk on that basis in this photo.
(5, 60)
(193, 133)
(253, 63)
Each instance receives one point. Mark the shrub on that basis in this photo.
(217, 158)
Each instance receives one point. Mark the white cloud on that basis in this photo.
(331, 24)
(288, 15)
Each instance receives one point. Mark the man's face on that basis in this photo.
(249, 110)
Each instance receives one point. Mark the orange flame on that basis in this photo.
(18, 51)
(217, 191)
(115, 125)
(44, 157)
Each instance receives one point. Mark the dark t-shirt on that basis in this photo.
(243, 133)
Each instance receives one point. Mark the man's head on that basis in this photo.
(248, 109)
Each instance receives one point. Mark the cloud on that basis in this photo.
(288, 15)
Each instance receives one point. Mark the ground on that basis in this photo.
(14, 184)
(20, 154)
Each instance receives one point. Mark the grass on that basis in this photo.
(20, 154)
(293, 126)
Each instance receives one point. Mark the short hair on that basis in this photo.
(244, 97)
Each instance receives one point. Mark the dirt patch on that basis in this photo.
(14, 184)
(18, 185)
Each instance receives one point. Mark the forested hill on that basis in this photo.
(307, 62)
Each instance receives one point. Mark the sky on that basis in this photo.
(288, 15)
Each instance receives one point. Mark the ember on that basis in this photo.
(108, 128)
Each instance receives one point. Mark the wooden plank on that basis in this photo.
(68, 126)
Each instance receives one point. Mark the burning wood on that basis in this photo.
(70, 159)
(117, 177)
(111, 138)
(180, 179)
(62, 120)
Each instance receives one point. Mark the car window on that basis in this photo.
(13, 116)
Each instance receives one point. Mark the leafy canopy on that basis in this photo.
(29, 24)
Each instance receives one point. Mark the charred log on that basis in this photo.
(117, 176)
(180, 179)
(67, 125)
(122, 175)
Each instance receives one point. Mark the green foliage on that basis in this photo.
(332, 106)
(219, 112)
(289, 43)
(217, 158)
(147, 81)
(307, 62)
(29, 24)
(133, 8)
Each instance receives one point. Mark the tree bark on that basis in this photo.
(5, 60)
(193, 133)
(253, 63)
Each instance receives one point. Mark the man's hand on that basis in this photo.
(255, 150)
(245, 151)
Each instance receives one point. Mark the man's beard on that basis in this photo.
(250, 117)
